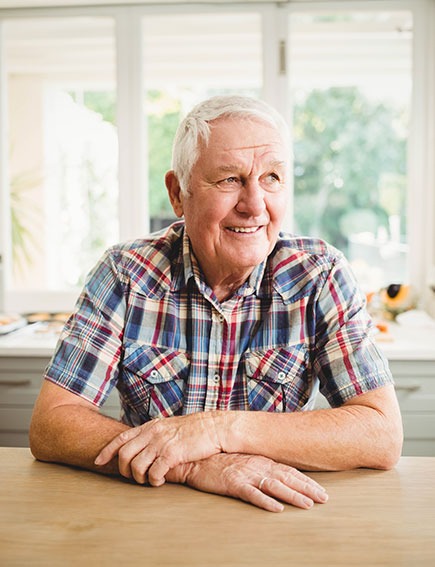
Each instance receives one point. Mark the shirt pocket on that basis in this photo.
(278, 379)
(153, 381)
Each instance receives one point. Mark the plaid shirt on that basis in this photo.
(148, 324)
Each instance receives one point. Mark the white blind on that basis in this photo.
(57, 3)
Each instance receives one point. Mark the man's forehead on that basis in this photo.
(227, 136)
(235, 165)
(230, 144)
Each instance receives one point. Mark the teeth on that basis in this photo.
(241, 229)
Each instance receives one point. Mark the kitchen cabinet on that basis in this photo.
(20, 382)
(415, 387)
(411, 355)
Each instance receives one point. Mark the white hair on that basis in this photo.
(195, 128)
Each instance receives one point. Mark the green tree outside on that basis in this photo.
(349, 165)
(162, 122)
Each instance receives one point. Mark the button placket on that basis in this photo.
(214, 356)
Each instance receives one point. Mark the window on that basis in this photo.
(188, 58)
(62, 145)
(351, 79)
(90, 99)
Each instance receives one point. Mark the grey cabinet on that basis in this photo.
(20, 381)
(415, 387)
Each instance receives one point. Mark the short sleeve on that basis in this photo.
(87, 355)
(346, 358)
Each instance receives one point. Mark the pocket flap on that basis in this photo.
(155, 365)
(281, 365)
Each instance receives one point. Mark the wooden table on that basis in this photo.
(56, 515)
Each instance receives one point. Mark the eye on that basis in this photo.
(230, 183)
(271, 181)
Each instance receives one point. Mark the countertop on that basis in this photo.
(32, 340)
(411, 339)
(57, 515)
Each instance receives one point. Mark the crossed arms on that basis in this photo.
(224, 452)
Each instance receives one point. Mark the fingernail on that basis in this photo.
(308, 502)
(98, 461)
(322, 496)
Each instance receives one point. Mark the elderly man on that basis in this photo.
(218, 333)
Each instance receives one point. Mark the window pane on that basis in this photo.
(351, 87)
(63, 149)
(188, 58)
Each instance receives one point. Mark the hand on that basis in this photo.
(240, 476)
(150, 450)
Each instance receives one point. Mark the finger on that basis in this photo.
(251, 494)
(277, 489)
(134, 460)
(296, 479)
(157, 471)
(180, 473)
(112, 448)
(306, 486)
(301, 476)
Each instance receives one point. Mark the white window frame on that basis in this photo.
(132, 133)
(421, 141)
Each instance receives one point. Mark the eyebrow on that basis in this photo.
(235, 166)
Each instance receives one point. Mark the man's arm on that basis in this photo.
(364, 432)
(66, 428)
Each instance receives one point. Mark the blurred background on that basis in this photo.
(91, 97)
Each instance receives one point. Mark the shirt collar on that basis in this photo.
(293, 267)
(186, 266)
(190, 264)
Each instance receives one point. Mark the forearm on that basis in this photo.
(332, 439)
(73, 435)
(317, 440)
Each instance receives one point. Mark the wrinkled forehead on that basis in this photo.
(243, 132)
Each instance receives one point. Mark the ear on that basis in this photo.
(174, 192)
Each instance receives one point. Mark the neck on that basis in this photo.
(222, 282)
(225, 287)
(224, 292)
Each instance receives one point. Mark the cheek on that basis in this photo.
(212, 211)
(277, 208)
(204, 217)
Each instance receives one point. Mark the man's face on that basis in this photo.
(236, 198)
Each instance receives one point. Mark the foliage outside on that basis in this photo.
(349, 167)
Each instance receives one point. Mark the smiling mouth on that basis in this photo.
(248, 230)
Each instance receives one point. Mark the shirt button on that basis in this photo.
(216, 378)
(154, 373)
(221, 318)
(281, 375)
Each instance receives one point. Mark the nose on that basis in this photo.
(251, 199)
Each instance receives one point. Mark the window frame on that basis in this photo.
(132, 136)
